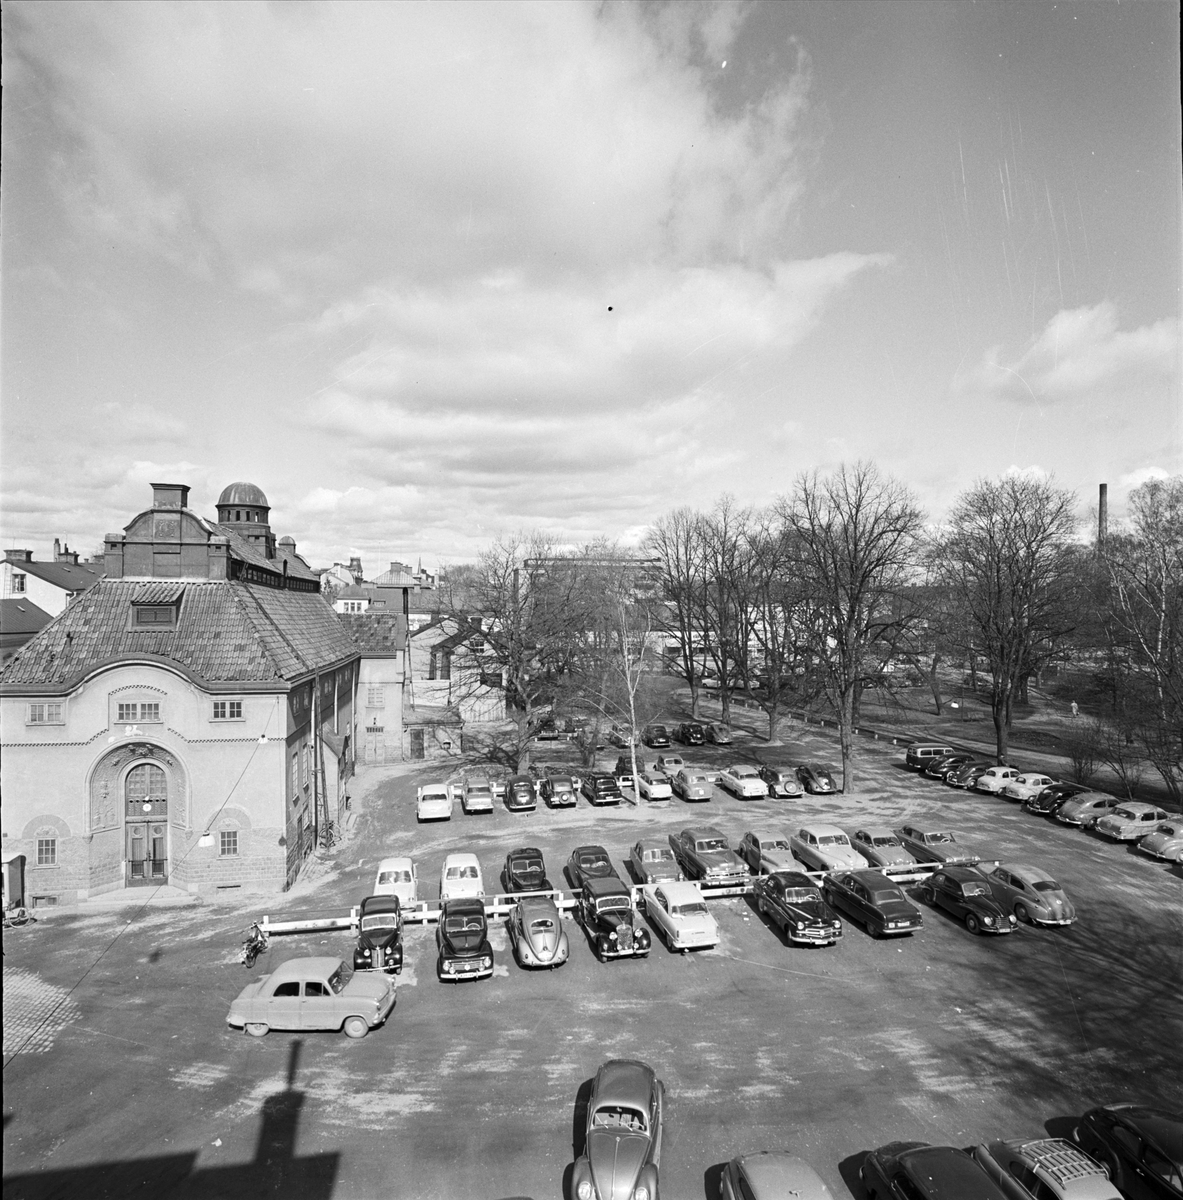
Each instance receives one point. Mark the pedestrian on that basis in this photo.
(1075, 709)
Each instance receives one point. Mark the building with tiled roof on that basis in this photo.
(382, 640)
(188, 719)
(19, 620)
(449, 672)
(48, 585)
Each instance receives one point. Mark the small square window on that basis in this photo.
(47, 852)
(219, 710)
(45, 714)
(236, 710)
(128, 712)
(150, 712)
(18, 584)
(157, 615)
(229, 842)
(376, 697)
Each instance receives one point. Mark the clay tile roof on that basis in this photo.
(376, 633)
(158, 593)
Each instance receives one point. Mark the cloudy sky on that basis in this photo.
(429, 272)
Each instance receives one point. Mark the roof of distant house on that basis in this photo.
(22, 616)
(394, 578)
(376, 633)
(70, 577)
(356, 591)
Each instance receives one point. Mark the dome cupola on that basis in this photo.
(244, 508)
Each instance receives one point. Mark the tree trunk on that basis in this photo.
(934, 683)
(845, 725)
(694, 701)
(1001, 729)
(773, 721)
(725, 700)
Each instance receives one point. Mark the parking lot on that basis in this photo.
(471, 1090)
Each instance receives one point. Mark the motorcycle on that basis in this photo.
(256, 943)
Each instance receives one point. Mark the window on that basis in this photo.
(18, 584)
(47, 851)
(45, 714)
(227, 710)
(376, 697)
(295, 774)
(139, 712)
(154, 615)
(127, 712)
(150, 712)
(228, 839)
(312, 988)
(306, 765)
(290, 988)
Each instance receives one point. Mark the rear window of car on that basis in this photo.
(1046, 885)
(542, 925)
(615, 1116)
(658, 855)
(879, 895)
(690, 908)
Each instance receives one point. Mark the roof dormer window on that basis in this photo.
(156, 606)
(154, 616)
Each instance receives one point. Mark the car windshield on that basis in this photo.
(466, 924)
(542, 925)
(973, 889)
(658, 855)
(617, 1116)
(885, 841)
(937, 839)
(593, 862)
(462, 873)
(1046, 885)
(1125, 814)
(777, 844)
(339, 978)
(605, 785)
(394, 877)
(436, 794)
(708, 844)
(527, 864)
(380, 921)
(833, 839)
(613, 903)
(801, 895)
(692, 908)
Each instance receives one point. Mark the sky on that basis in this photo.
(427, 273)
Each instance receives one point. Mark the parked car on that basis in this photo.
(717, 735)
(1024, 786)
(793, 903)
(623, 771)
(825, 848)
(669, 764)
(816, 779)
(939, 767)
(1141, 1146)
(536, 933)
(781, 781)
(462, 938)
(920, 754)
(460, 877)
(743, 781)
(703, 853)
(313, 993)
(995, 779)
(622, 1139)
(656, 736)
(379, 935)
(612, 923)
(967, 775)
(619, 736)
(1049, 1168)
(931, 843)
(478, 796)
(1165, 841)
(881, 847)
(874, 901)
(1046, 803)
(520, 795)
(1085, 810)
(679, 913)
(652, 786)
(558, 789)
(1130, 821)
(601, 788)
(525, 871)
(433, 802)
(917, 1171)
(964, 892)
(771, 1175)
(767, 852)
(691, 733)
(691, 784)
(397, 877)
(654, 863)
(589, 862)
(1031, 894)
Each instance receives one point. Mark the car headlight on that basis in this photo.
(837, 924)
(612, 936)
(800, 924)
(584, 1190)
(990, 920)
(365, 953)
(1013, 919)
(487, 961)
(642, 1193)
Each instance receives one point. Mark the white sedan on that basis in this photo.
(1023, 787)
(396, 877)
(652, 786)
(434, 802)
(679, 913)
(825, 848)
(995, 779)
(478, 796)
(460, 877)
(743, 781)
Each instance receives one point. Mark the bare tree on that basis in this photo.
(676, 541)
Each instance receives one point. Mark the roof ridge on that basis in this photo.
(249, 617)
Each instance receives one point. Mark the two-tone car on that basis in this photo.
(1165, 841)
(652, 786)
(881, 847)
(932, 843)
(1130, 821)
(919, 754)
(680, 915)
(690, 733)
(1025, 786)
(1085, 810)
(817, 779)
(1031, 894)
(669, 764)
(589, 862)
(781, 782)
(525, 871)
(379, 935)
(1045, 1167)
(874, 901)
(460, 876)
(313, 993)
(939, 768)
(703, 853)
(767, 852)
(792, 902)
(692, 784)
(967, 775)
(717, 734)
(825, 848)
(612, 924)
(622, 1135)
(397, 877)
(462, 939)
(653, 862)
(1140, 1145)
(477, 797)
(918, 1171)
(743, 781)
(433, 802)
(536, 933)
(965, 894)
(600, 788)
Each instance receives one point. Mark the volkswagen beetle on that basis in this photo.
(622, 1145)
(536, 932)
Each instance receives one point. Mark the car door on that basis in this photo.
(283, 1006)
(318, 1006)
(661, 911)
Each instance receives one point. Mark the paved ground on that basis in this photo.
(135, 1086)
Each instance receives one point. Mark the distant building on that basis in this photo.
(382, 640)
(450, 671)
(19, 621)
(48, 585)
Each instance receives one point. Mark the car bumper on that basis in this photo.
(1117, 835)
(1052, 920)
(565, 800)
(452, 971)
(527, 957)
(1161, 855)
(632, 952)
(479, 808)
(814, 937)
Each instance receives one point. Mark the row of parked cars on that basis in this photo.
(1156, 832)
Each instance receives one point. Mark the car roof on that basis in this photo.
(1063, 1161)
(816, 829)
(705, 831)
(606, 885)
(775, 1174)
(537, 906)
(877, 830)
(1139, 806)
(464, 904)
(402, 863)
(306, 968)
(1027, 873)
(961, 874)
(589, 850)
(378, 904)
(1163, 1127)
(624, 1081)
(873, 878)
(461, 860)
(524, 850)
(681, 892)
(949, 1172)
(927, 827)
(793, 879)
(521, 779)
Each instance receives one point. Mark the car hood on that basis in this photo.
(365, 986)
(378, 939)
(655, 872)
(781, 860)
(816, 911)
(840, 856)
(984, 906)
(616, 1159)
(888, 856)
(951, 852)
(614, 918)
(463, 945)
(532, 881)
(726, 860)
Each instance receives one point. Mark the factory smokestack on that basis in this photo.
(1102, 515)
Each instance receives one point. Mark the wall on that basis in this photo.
(46, 596)
(380, 724)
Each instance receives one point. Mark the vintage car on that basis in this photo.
(524, 871)
(781, 782)
(461, 876)
(558, 789)
(1142, 1147)
(1024, 786)
(967, 775)
(679, 913)
(656, 736)
(536, 933)
(793, 903)
(703, 853)
(618, 735)
(880, 847)
(939, 768)
(691, 733)
(653, 863)
(1047, 802)
(771, 1175)
(589, 862)
(995, 779)
(520, 795)
(313, 993)
(743, 781)
(931, 843)
(965, 893)
(462, 937)
(692, 784)
(825, 848)
(1031, 894)
(1130, 821)
(917, 1171)
(478, 796)
(1085, 810)
(1047, 1167)
(379, 935)
(767, 852)
(622, 1138)
(717, 735)
(433, 802)
(623, 771)
(920, 754)
(397, 877)
(601, 788)
(669, 764)
(1164, 841)
(874, 901)
(816, 779)
(651, 786)
(611, 922)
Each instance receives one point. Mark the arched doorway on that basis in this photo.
(145, 792)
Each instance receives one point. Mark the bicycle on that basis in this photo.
(329, 836)
(17, 916)
(256, 943)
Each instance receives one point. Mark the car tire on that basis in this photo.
(1022, 915)
(972, 923)
(1110, 1162)
(927, 895)
(256, 1029)
(355, 1027)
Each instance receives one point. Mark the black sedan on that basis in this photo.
(793, 904)
(525, 871)
(874, 901)
(520, 795)
(966, 775)
(1141, 1146)
(916, 1171)
(963, 892)
(939, 768)
(656, 736)
(690, 733)
(589, 862)
(816, 779)
(1047, 803)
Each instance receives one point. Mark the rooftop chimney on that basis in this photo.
(18, 556)
(1102, 515)
(170, 495)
